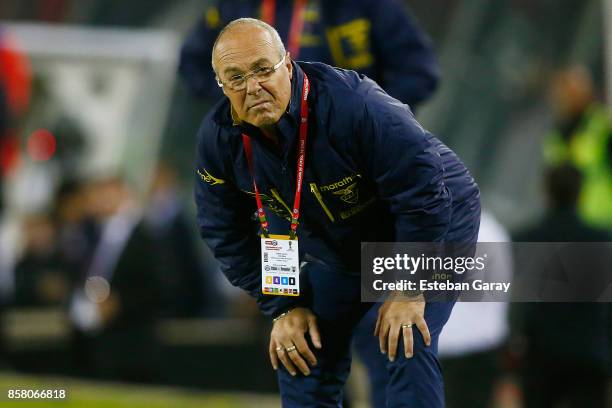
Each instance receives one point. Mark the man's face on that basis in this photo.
(242, 50)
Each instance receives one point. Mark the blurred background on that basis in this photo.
(104, 283)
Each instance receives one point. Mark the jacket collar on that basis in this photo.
(288, 124)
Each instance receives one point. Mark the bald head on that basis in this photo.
(244, 27)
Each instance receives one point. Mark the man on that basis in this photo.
(567, 355)
(116, 303)
(376, 38)
(373, 174)
(583, 138)
(379, 39)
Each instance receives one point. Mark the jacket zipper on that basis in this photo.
(280, 200)
(315, 190)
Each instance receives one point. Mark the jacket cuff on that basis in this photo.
(273, 306)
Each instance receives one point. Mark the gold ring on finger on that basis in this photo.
(279, 349)
(290, 349)
(406, 325)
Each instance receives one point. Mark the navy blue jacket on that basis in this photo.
(372, 174)
(377, 38)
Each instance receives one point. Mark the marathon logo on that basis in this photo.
(342, 183)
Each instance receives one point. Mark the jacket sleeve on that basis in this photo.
(195, 67)
(403, 161)
(405, 58)
(227, 224)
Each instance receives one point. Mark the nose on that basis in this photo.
(252, 85)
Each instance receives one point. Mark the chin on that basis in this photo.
(266, 119)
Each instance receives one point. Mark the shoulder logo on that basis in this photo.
(209, 178)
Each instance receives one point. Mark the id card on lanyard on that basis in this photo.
(280, 263)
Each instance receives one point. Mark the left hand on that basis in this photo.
(400, 313)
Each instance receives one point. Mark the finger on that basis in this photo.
(273, 354)
(382, 337)
(422, 325)
(380, 317)
(393, 338)
(297, 359)
(408, 341)
(378, 320)
(313, 331)
(304, 350)
(284, 358)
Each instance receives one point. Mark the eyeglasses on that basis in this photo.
(238, 82)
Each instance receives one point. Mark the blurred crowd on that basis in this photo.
(115, 268)
(117, 260)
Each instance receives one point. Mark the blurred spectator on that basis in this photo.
(41, 277)
(188, 290)
(567, 344)
(77, 231)
(473, 337)
(3, 272)
(117, 304)
(377, 38)
(14, 100)
(4, 126)
(15, 75)
(71, 144)
(15, 83)
(583, 138)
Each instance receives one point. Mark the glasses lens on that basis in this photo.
(237, 84)
(263, 74)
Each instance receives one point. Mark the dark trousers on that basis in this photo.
(335, 300)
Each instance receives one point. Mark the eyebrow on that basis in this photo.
(257, 63)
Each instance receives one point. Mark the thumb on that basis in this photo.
(313, 331)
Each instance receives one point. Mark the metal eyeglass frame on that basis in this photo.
(252, 74)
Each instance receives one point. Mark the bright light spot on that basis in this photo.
(41, 145)
(97, 289)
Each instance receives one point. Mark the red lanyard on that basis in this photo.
(299, 174)
(268, 14)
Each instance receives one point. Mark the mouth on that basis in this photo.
(260, 104)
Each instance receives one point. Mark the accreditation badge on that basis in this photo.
(280, 266)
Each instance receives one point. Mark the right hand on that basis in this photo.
(287, 333)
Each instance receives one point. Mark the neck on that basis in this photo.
(270, 132)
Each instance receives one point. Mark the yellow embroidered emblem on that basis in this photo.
(349, 195)
(209, 178)
(350, 45)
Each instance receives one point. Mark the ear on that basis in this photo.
(289, 65)
(222, 88)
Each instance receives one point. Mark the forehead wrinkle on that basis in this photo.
(231, 49)
(231, 63)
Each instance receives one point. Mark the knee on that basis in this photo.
(323, 388)
(416, 382)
